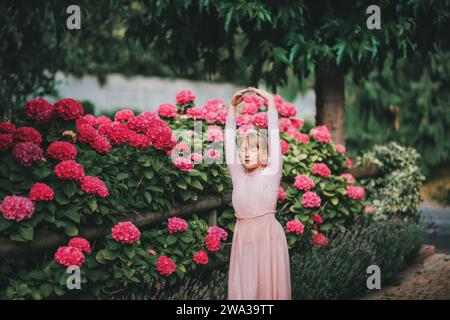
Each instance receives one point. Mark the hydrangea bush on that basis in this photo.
(62, 169)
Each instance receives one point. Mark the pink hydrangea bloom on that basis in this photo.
(219, 232)
(167, 110)
(81, 244)
(196, 157)
(320, 240)
(183, 164)
(285, 147)
(310, 199)
(348, 163)
(339, 148)
(260, 119)
(303, 182)
(281, 195)
(317, 219)
(94, 185)
(295, 226)
(213, 154)
(287, 109)
(177, 225)
(69, 256)
(17, 208)
(69, 170)
(184, 97)
(321, 134)
(165, 266)
(215, 133)
(41, 192)
(321, 169)
(212, 242)
(369, 209)
(126, 232)
(354, 192)
(201, 257)
(348, 177)
(27, 153)
(123, 115)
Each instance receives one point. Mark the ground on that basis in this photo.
(429, 277)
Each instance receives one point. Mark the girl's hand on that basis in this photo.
(263, 94)
(239, 96)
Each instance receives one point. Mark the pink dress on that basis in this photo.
(259, 260)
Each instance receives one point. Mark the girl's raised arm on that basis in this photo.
(232, 157)
(274, 146)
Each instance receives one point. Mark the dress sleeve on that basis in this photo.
(275, 162)
(234, 165)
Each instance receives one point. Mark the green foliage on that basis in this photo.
(420, 89)
(397, 189)
(339, 271)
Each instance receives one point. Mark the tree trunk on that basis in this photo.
(330, 98)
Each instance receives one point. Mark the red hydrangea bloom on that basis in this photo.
(101, 144)
(349, 177)
(6, 141)
(303, 182)
(339, 148)
(167, 110)
(102, 120)
(161, 136)
(94, 185)
(348, 163)
(68, 109)
(215, 133)
(118, 133)
(281, 195)
(7, 127)
(212, 242)
(27, 153)
(320, 240)
(126, 232)
(86, 133)
(27, 134)
(39, 110)
(354, 192)
(69, 170)
(297, 122)
(88, 119)
(321, 169)
(321, 134)
(165, 266)
(17, 208)
(61, 150)
(260, 119)
(183, 164)
(218, 232)
(69, 256)
(123, 115)
(287, 109)
(140, 141)
(201, 257)
(310, 199)
(81, 244)
(177, 225)
(143, 121)
(184, 96)
(317, 219)
(41, 192)
(295, 226)
(285, 147)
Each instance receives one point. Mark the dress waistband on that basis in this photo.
(254, 217)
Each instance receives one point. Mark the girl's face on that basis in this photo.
(251, 154)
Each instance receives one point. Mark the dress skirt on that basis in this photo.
(259, 260)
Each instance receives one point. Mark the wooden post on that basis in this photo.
(212, 218)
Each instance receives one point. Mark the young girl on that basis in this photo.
(259, 261)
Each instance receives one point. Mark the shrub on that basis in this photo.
(339, 270)
(396, 190)
(125, 165)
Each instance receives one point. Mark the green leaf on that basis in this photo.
(171, 239)
(197, 185)
(69, 189)
(72, 213)
(148, 197)
(26, 232)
